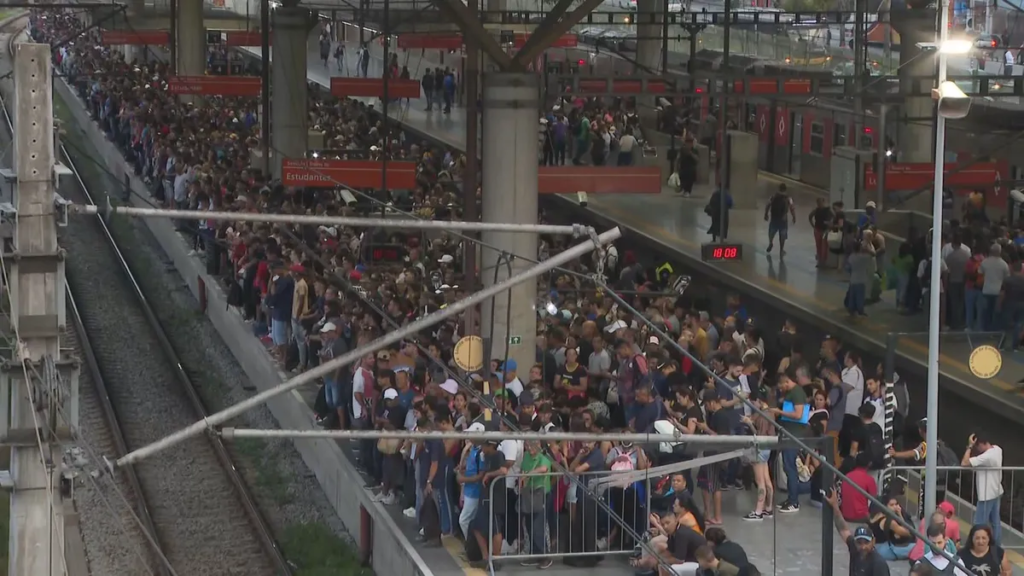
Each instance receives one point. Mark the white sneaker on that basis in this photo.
(421, 531)
(602, 544)
(409, 512)
(388, 500)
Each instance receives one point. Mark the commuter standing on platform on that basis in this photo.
(719, 214)
(820, 220)
(339, 56)
(428, 89)
(364, 60)
(325, 47)
(988, 482)
(779, 206)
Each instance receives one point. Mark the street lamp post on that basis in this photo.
(949, 91)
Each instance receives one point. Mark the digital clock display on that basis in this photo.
(387, 253)
(722, 252)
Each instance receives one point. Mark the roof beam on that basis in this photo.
(540, 34)
(460, 15)
(538, 43)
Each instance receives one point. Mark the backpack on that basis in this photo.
(622, 463)
(875, 448)
(779, 205)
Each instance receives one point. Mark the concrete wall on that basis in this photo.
(393, 554)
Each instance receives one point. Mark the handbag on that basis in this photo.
(532, 500)
(674, 181)
(389, 446)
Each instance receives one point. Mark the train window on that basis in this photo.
(838, 135)
(817, 141)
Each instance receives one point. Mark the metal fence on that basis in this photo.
(958, 485)
(555, 517)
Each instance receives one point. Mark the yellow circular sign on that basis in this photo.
(985, 362)
(469, 353)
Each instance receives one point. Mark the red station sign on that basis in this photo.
(353, 173)
(214, 85)
(244, 38)
(344, 87)
(905, 176)
(135, 38)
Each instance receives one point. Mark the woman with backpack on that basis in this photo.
(627, 501)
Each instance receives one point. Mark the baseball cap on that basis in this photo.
(450, 386)
(615, 326)
(390, 394)
(946, 508)
(405, 369)
(329, 327)
(299, 268)
(862, 533)
(654, 340)
(501, 393)
(476, 427)
(509, 364)
(446, 259)
(383, 355)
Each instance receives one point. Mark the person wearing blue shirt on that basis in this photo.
(279, 301)
(470, 475)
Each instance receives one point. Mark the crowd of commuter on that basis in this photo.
(314, 293)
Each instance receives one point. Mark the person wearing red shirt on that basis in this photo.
(855, 506)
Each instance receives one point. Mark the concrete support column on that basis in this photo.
(135, 8)
(915, 140)
(648, 49)
(510, 148)
(191, 41)
(289, 133)
(648, 52)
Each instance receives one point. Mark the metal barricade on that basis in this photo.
(549, 516)
(958, 485)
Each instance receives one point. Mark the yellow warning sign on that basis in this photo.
(985, 362)
(469, 353)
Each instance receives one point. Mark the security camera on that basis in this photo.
(1017, 195)
(348, 198)
(953, 103)
(582, 197)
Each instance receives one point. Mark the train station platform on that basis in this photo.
(677, 226)
(788, 543)
(674, 227)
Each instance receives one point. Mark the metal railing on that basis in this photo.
(958, 485)
(555, 517)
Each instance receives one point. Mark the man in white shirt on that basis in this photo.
(988, 482)
(512, 382)
(853, 385)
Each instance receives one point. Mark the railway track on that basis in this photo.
(188, 512)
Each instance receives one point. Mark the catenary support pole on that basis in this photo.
(534, 229)
(386, 340)
(724, 440)
(934, 321)
(36, 292)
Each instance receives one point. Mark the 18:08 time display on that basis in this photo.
(722, 252)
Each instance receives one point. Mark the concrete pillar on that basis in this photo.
(743, 169)
(509, 171)
(191, 41)
(289, 133)
(135, 8)
(915, 139)
(648, 50)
